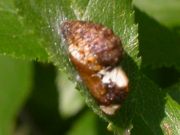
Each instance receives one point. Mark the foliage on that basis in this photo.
(29, 30)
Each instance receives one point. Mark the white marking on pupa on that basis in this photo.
(110, 109)
(78, 78)
(116, 76)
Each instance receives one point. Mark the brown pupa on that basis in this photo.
(95, 52)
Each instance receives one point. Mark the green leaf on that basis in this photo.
(54, 12)
(163, 112)
(16, 38)
(146, 100)
(171, 123)
(15, 82)
(140, 127)
(159, 46)
(164, 11)
(150, 104)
